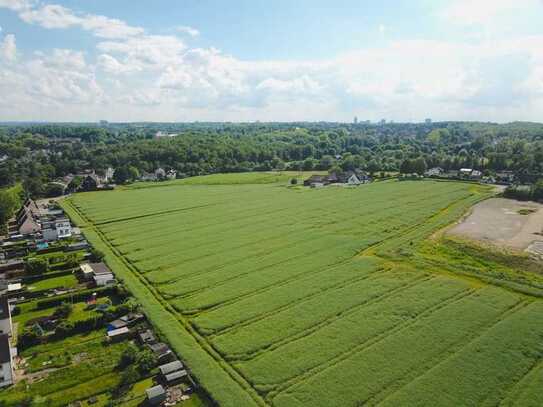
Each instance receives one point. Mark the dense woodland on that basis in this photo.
(37, 154)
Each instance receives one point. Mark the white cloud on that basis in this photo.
(16, 5)
(472, 12)
(55, 16)
(111, 65)
(185, 29)
(8, 48)
(145, 51)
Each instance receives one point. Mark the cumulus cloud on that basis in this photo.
(145, 51)
(185, 29)
(8, 48)
(55, 16)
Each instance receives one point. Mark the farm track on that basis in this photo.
(295, 381)
(439, 360)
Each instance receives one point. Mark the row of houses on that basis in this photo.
(500, 177)
(347, 178)
(158, 175)
(48, 221)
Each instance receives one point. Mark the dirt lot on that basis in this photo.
(505, 222)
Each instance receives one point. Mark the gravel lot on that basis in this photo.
(499, 222)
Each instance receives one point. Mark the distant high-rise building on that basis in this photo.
(428, 121)
(383, 121)
(355, 121)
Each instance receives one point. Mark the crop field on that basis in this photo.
(291, 296)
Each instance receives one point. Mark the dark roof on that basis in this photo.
(117, 324)
(5, 353)
(155, 391)
(316, 178)
(4, 307)
(159, 348)
(171, 367)
(175, 375)
(147, 336)
(100, 268)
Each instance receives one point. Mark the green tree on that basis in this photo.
(35, 266)
(145, 361)
(96, 256)
(129, 356)
(537, 192)
(53, 189)
(130, 375)
(419, 166)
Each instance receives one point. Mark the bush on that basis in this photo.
(63, 310)
(36, 266)
(96, 256)
(293, 181)
(64, 329)
(130, 375)
(128, 357)
(146, 361)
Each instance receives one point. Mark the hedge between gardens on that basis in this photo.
(78, 296)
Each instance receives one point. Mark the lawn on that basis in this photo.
(66, 281)
(296, 296)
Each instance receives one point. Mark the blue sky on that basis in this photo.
(271, 60)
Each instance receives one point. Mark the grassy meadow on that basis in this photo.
(285, 296)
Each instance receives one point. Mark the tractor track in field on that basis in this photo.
(327, 321)
(458, 348)
(297, 380)
(293, 303)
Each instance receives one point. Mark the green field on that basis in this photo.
(286, 296)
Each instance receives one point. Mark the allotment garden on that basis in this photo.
(283, 295)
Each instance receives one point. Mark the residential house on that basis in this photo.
(28, 225)
(146, 176)
(349, 178)
(505, 177)
(156, 395)
(465, 172)
(434, 172)
(160, 174)
(56, 229)
(316, 179)
(108, 176)
(476, 174)
(171, 174)
(6, 361)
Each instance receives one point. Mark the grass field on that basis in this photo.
(323, 297)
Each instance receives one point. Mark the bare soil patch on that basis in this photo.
(506, 223)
